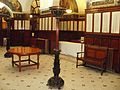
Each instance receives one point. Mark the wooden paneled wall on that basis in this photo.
(103, 29)
(21, 25)
(64, 36)
(44, 26)
(48, 22)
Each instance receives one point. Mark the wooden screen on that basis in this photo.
(21, 24)
(49, 23)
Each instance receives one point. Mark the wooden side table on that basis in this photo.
(24, 51)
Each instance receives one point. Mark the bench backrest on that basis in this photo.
(95, 54)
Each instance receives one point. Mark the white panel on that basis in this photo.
(43, 24)
(23, 25)
(65, 25)
(83, 26)
(89, 23)
(27, 24)
(106, 22)
(97, 22)
(80, 26)
(75, 25)
(15, 24)
(115, 22)
(71, 25)
(61, 28)
(70, 48)
(19, 24)
(46, 23)
(54, 23)
(40, 24)
(49, 23)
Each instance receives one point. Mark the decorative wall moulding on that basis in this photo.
(103, 3)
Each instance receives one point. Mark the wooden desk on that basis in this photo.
(24, 51)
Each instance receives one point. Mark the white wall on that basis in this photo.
(56, 2)
(26, 5)
(81, 6)
(70, 48)
(45, 4)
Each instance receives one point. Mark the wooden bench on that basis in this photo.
(94, 56)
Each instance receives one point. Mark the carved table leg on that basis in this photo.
(28, 59)
(12, 60)
(37, 61)
(19, 63)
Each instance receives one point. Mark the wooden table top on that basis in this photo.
(22, 51)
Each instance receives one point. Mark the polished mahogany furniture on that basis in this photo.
(24, 51)
(94, 55)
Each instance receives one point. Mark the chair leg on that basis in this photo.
(84, 63)
(102, 72)
(77, 63)
(103, 69)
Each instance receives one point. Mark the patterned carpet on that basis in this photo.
(30, 78)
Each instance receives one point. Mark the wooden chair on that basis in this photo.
(95, 56)
(80, 57)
